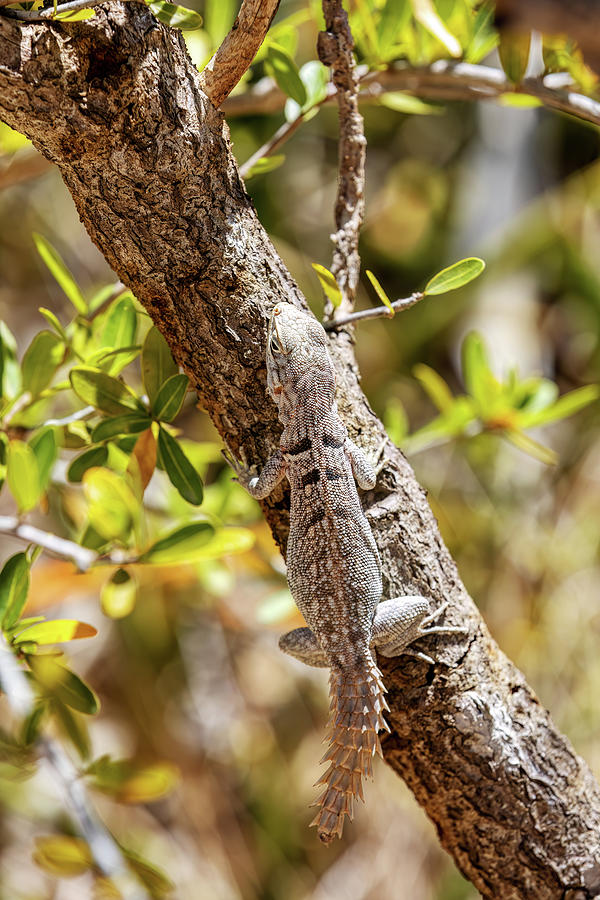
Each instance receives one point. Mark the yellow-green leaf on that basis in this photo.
(380, 291)
(181, 545)
(157, 363)
(170, 397)
(95, 456)
(532, 448)
(280, 65)
(513, 51)
(75, 15)
(60, 272)
(131, 782)
(128, 423)
(45, 449)
(175, 16)
(41, 360)
(106, 393)
(23, 475)
(62, 856)
(14, 587)
(437, 389)
(56, 680)
(329, 284)
(265, 164)
(56, 631)
(401, 102)
(455, 276)
(112, 506)
(118, 595)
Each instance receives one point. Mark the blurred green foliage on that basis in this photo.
(197, 739)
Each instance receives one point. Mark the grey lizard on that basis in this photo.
(333, 565)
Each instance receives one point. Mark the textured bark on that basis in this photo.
(115, 103)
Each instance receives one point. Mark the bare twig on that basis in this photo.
(375, 313)
(103, 847)
(43, 15)
(238, 49)
(442, 80)
(335, 46)
(83, 558)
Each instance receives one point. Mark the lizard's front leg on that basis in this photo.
(259, 486)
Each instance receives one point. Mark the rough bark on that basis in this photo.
(115, 103)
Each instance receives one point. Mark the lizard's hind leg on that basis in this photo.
(401, 621)
(302, 644)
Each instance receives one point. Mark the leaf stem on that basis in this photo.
(375, 312)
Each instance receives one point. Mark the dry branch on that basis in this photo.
(115, 103)
(335, 48)
(237, 51)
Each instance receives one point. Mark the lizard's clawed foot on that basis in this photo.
(244, 473)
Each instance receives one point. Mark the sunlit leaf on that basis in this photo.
(11, 140)
(175, 16)
(45, 449)
(118, 595)
(120, 325)
(478, 377)
(264, 165)
(60, 272)
(155, 881)
(380, 291)
(565, 406)
(401, 102)
(95, 456)
(131, 782)
(72, 726)
(513, 51)
(170, 397)
(437, 389)
(181, 472)
(128, 423)
(10, 371)
(157, 363)
(32, 724)
(455, 276)
(41, 360)
(57, 680)
(144, 454)
(22, 474)
(518, 100)
(103, 391)
(315, 77)
(74, 15)
(425, 13)
(114, 361)
(329, 284)
(280, 65)
(112, 506)
(180, 545)
(532, 448)
(56, 631)
(14, 587)
(62, 856)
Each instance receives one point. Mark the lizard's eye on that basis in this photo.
(274, 346)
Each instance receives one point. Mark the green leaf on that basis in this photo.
(114, 361)
(169, 399)
(129, 423)
(438, 391)
(131, 782)
(280, 65)
(426, 14)
(31, 727)
(401, 102)
(52, 320)
(56, 631)
(513, 51)
(518, 100)
(180, 546)
(394, 18)
(155, 881)
(315, 77)
(41, 360)
(56, 680)
(73, 727)
(23, 475)
(10, 371)
(484, 38)
(14, 587)
(45, 448)
(265, 164)
(175, 16)
(532, 448)
(74, 15)
(181, 472)
(103, 391)
(455, 276)
(95, 456)
(157, 363)
(112, 507)
(479, 380)
(380, 292)
(118, 595)
(62, 856)
(120, 325)
(224, 542)
(60, 272)
(565, 406)
(329, 284)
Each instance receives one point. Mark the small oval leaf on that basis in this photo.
(157, 363)
(95, 456)
(380, 291)
(60, 272)
(23, 475)
(129, 423)
(63, 856)
(118, 595)
(41, 360)
(112, 508)
(45, 449)
(57, 680)
(180, 545)
(455, 276)
(175, 16)
(56, 631)
(103, 391)
(181, 472)
(170, 397)
(14, 587)
(329, 284)
(280, 65)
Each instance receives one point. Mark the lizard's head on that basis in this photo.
(296, 345)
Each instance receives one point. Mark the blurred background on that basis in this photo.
(191, 680)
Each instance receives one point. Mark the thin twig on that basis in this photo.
(442, 80)
(103, 847)
(237, 51)
(375, 312)
(334, 47)
(83, 558)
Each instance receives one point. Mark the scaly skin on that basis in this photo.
(334, 570)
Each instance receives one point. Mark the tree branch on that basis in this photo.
(237, 51)
(335, 48)
(116, 105)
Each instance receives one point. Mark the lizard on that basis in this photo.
(333, 565)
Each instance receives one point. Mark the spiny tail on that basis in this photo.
(357, 705)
